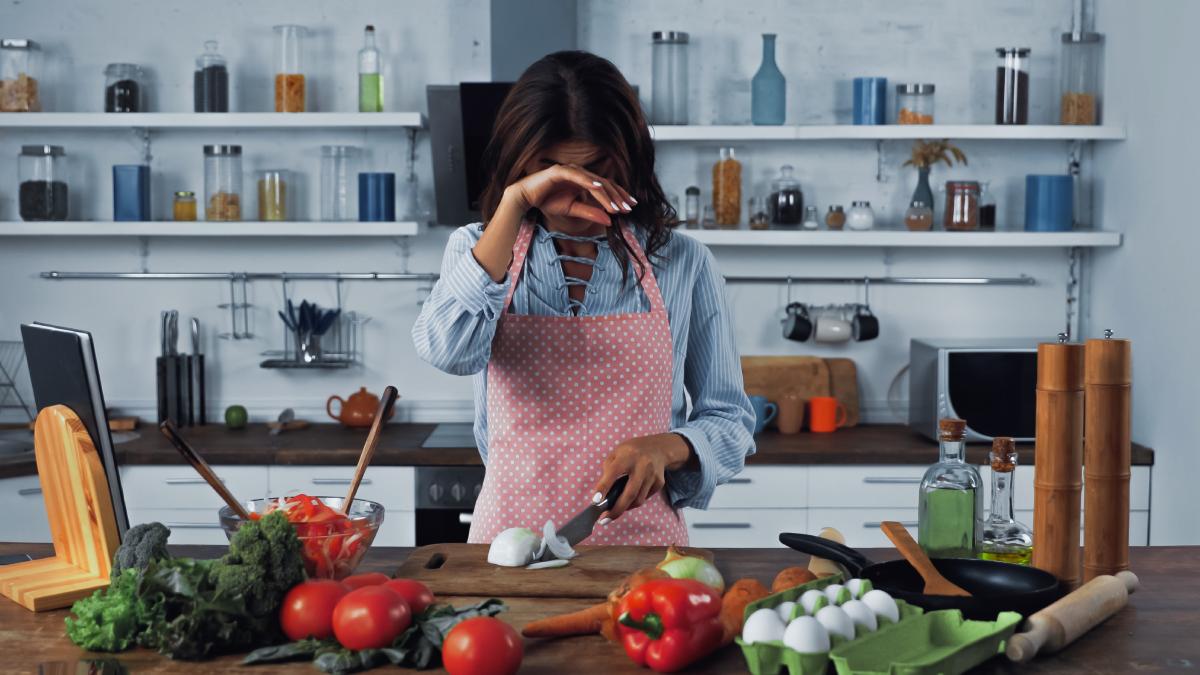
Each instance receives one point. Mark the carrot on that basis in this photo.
(583, 622)
(733, 605)
(791, 577)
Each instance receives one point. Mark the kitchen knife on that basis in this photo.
(197, 373)
(580, 527)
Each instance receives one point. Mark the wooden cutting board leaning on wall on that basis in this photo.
(843, 383)
(808, 376)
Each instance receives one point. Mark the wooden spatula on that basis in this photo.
(935, 583)
(189, 453)
(386, 401)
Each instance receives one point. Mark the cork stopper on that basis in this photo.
(1108, 361)
(1004, 454)
(1060, 366)
(951, 429)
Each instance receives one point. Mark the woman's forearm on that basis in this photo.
(493, 251)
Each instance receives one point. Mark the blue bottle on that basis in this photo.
(131, 192)
(870, 100)
(768, 88)
(376, 197)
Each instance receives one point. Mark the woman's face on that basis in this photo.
(582, 154)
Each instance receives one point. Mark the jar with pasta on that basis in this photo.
(273, 195)
(727, 189)
(222, 182)
(289, 71)
(20, 65)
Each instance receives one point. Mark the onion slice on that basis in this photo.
(557, 545)
(547, 564)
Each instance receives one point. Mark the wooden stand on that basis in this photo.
(1058, 468)
(1107, 378)
(83, 526)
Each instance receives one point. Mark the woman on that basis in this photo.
(584, 321)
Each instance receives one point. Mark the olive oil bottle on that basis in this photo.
(950, 506)
(1004, 538)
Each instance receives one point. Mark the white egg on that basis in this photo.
(883, 605)
(832, 591)
(784, 609)
(861, 614)
(810, 599)
(836, 621)
(763, 625)
(855, 586)
(807, 636)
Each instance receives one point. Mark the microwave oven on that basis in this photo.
(990, 383)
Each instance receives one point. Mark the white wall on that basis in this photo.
(1146, 290)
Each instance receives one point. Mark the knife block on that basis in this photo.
(83, 525)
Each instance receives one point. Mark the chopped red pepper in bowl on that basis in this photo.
(332, 542)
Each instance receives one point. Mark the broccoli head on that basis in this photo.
(141, 544)
(263, 563)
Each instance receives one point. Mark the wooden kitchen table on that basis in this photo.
(1158, 632)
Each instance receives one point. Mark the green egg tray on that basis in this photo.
(935, 643)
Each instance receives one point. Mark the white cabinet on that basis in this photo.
(24, 510)
(178, 486)
(891, 486)
(743, 528)
(392, 486)
(861, 526)
(764, 487)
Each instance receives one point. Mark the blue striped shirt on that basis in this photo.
(457, 323)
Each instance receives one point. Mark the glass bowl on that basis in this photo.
(330, 550)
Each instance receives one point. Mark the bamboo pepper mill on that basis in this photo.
(1058, 460)
(1108, 376)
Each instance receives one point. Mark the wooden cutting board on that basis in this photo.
(843, 383)
(463, 569)
(773, 376)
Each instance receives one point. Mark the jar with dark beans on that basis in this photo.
(123, 91)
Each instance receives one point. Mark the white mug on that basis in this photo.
(831, 328)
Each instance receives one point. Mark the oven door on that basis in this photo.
(445, 502)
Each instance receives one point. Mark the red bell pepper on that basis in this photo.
(667, 624)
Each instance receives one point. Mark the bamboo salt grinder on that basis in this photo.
(1107, 385)
(1058, 460)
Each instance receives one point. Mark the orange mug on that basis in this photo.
(825, 414)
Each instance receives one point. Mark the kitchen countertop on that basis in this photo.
(401, 445)
(1157, 632)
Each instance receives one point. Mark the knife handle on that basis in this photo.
(614, 492)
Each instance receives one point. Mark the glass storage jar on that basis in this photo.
(20, 70)
(669, 77)
(42, 192)
(691, 207)
(914, 103)
(727, 189)
(987, 207)
(811, 216)
(962, 206)
(273, 195)
(339, 182)
(184, 207)
(757, 213)
(1082, 55)
(1012, 85)
(289, 68)
(835, 218)
(210, 82)
(223, 182)
(860, 216)
(123, 88)
(786, 202)
(918, 217)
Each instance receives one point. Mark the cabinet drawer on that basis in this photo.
(392, 486)
(188, 526)
(154, 487)
(743, 528)
(1139, 488)
(864, 486)
(861, 526)
(764, 487)
(24, 510)
(1139, 525)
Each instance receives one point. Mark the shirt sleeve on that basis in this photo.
(721, 422)
(454, 331)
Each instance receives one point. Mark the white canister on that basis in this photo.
(860, 216)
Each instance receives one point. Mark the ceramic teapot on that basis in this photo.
(357, 410)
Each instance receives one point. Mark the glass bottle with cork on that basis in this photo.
(370, 79)
(1005, 539)
(950, 505)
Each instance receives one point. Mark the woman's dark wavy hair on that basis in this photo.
(578, 96)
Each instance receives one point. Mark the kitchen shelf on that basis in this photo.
(203, 228)
(905, 239)
(252, 120)
(838, 132)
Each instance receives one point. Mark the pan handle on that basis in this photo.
(850, 558)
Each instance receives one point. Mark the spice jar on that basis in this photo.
(810, 218)
(962, 206)
(184, 207)
(835, 218)
(918, 217)
(210, 82)
(123, 88)
(1081, 62)
(914, 103)
(20, 68)
(1012, 85)
(860, 217)
(727, 189)
(273, 195)
(709, 220)
(223, 182)
(787, 200)
(669, 78)
(758, 214)
(289, 71)
(43, 190)
(987, 207)
(691, 206)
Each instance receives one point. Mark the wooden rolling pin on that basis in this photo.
(1073, 615)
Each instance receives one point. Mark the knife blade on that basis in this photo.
(580, 527)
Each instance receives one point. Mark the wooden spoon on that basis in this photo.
(935, 583)
(189, 453)
(385, 406)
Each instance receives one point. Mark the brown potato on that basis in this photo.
(791, 577)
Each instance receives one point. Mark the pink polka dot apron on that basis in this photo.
(562, 392)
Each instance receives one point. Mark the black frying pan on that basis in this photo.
(994, 586)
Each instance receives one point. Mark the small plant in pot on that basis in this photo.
(924, 155)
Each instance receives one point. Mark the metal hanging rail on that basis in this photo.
(1023, 280)
(248, 276)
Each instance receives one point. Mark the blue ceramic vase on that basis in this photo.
(768, 88)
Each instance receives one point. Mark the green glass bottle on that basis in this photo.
(950, 506)
(370, 80)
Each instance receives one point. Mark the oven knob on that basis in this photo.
(435, 492)
(458, 492)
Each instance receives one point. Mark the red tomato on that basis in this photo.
(416, 594)
(368, 579)
(370, 617)
(482, 646)
(307, 609)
